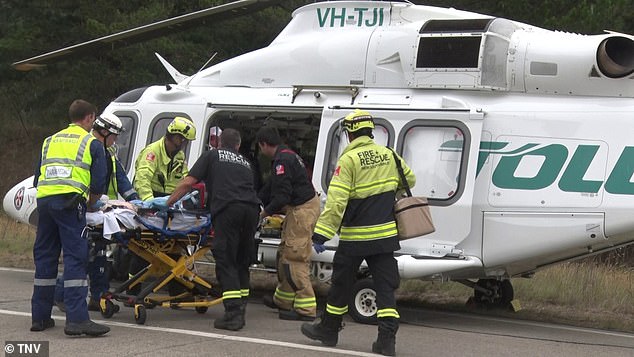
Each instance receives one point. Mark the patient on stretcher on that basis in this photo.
(118, 216)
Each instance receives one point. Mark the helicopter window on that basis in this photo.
(434, 153)
(339, 141)
(448, 52)
(159, 128)
(124, 140)
(494, 62)
(495, 53)
(453, 26)
(131, 96)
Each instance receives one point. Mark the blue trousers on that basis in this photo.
(97, 275)
(60, 229)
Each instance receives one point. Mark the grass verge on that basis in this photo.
(16, 243)
(583, 294)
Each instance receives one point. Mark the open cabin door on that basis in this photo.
(441, 147)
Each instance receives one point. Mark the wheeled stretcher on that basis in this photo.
(170, 241)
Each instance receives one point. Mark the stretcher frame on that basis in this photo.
(170, 257)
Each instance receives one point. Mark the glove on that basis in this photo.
(101, 202)
(137, 202)
(318, 243)
(159, 203)
(97, 205)
(319, 247)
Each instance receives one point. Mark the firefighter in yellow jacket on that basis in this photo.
(359, 206)
(161, 165)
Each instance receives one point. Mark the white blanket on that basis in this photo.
(113, 221)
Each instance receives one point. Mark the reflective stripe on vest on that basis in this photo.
(65, 166)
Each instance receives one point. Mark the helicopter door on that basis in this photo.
(441, 147)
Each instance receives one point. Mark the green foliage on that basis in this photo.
(39, 99)
(581, 16)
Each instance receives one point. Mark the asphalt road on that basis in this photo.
(185, 333)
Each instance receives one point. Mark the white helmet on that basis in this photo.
(109, 122)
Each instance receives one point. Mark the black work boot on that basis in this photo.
(37, 326)
(268, 301)
(243, 310)
(232, 320)
(385, 343)
(326, 331)
(85, 328)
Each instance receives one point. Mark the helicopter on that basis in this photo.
(514, 132)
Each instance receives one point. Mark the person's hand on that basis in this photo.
(319, 247)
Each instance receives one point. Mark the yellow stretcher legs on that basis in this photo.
(170, 260)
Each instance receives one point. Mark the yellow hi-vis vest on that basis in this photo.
(66, 160)
(113, 190)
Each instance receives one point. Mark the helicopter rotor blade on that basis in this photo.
(147, 32)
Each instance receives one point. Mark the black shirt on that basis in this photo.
(289, 183)
(228, 177)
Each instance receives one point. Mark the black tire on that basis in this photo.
(362, 306)
(109, 311)
(501, 293)
(201, 309)
(140, 314)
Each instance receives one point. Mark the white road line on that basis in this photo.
(211, 335)
(17, 270)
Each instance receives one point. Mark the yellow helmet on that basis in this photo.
(182, 126)
(358, 119)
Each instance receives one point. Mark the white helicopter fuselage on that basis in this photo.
(518, 136)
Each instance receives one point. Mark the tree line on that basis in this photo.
(34, 103)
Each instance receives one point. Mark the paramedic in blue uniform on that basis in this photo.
(70, 179)
(106, 129)
(234, 207)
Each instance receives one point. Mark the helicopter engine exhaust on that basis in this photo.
(615, 56)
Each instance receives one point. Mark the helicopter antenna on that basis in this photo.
(201, 68)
